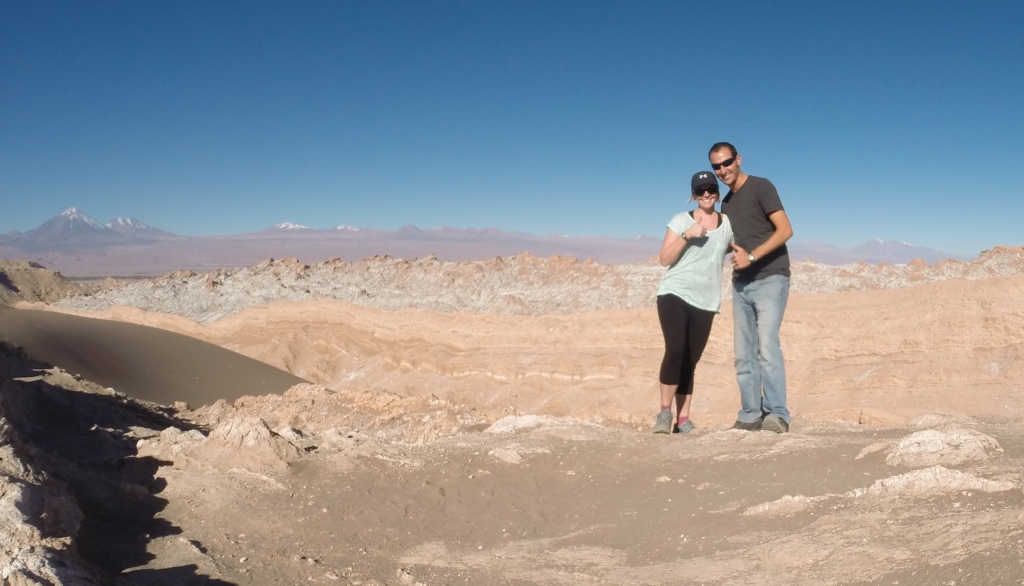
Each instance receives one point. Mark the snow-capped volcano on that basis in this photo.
(127, 223)
(74, 218)
(136, 228)
(73, 229)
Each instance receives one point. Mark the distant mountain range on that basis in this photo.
(74, 230)
(871, 252)
(78, 245)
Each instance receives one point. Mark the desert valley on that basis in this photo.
(426, 421)
(365, 293)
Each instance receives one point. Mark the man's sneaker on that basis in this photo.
(686, 427)
(774, 423)
(664, 422)
(754, 426)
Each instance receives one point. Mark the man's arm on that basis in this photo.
(783, 232)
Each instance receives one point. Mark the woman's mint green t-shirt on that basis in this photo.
(696, 277)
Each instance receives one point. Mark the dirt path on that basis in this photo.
(575, 504)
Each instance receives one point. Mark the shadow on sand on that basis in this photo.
(88, 442)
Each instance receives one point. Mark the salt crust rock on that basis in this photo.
(346, 424)
(172, 445)
(312, 410)
(940, 420)
(247, 442)
(930, 481)
(289, 433)
(239, 442)
(871, 449)
(507, 455)
(513, 423)
(948, 447)
(918, 483)
(786, 505)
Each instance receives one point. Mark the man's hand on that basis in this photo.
(739, 258)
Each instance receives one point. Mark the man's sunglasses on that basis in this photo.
(725, 163)
(700, 191)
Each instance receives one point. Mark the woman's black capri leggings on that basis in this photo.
(686, 330)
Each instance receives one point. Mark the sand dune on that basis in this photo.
(146, 363)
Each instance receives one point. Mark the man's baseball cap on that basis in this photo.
(703, 178)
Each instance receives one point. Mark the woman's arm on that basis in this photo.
(671, 248)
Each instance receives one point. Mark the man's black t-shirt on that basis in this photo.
(748, 209)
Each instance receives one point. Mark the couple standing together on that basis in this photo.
(753, 226)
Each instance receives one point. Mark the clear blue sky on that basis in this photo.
(892, 120)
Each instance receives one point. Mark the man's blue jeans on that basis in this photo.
(757, 308)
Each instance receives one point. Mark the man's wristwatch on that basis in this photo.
(751, 257)
(684, 236)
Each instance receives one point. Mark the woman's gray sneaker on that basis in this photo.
(686, 427)
(664, 422)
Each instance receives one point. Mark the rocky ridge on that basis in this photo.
(519, 285)
(28, 281)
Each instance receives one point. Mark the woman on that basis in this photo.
(690, 295)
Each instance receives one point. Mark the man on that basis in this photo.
(760, 288)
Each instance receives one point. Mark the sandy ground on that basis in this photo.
(472, 448)
(363, 495)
